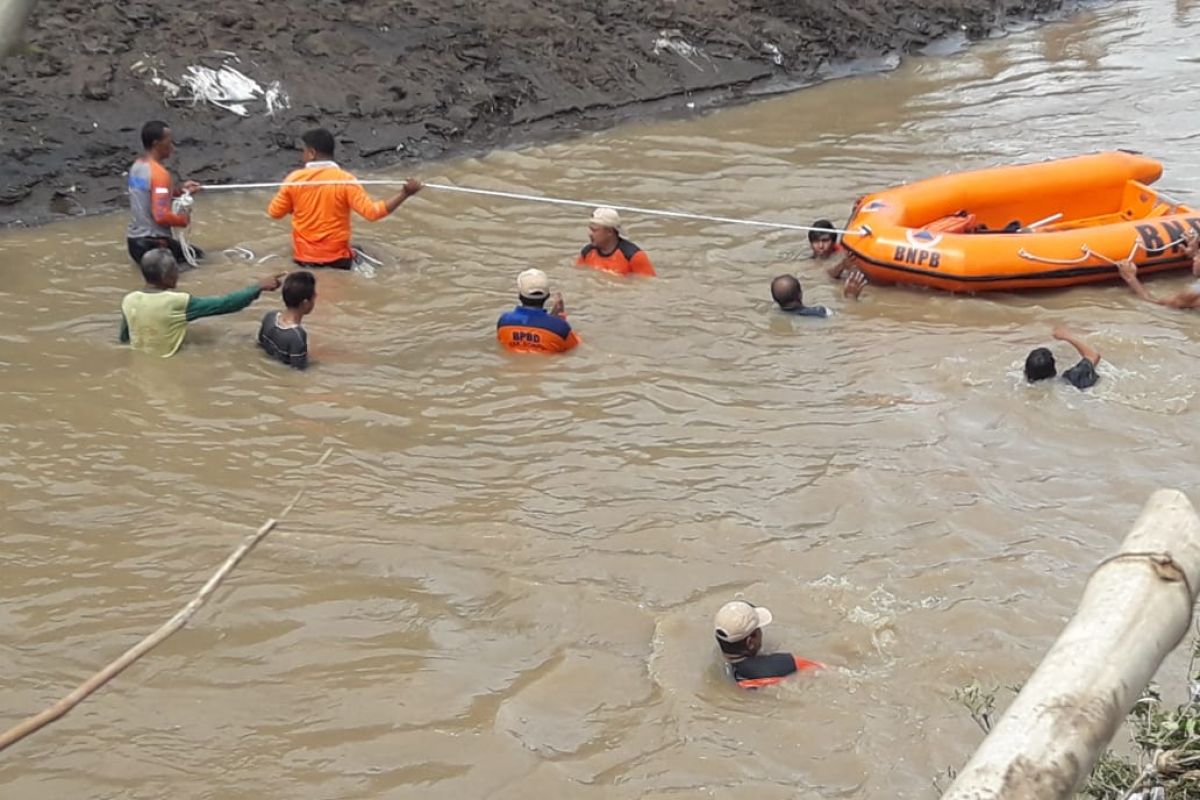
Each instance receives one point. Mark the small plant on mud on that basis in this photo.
(1167, 742)
(1168, 745)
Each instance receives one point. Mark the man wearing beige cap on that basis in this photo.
(529, 328)
(608, 250)
(739, 635)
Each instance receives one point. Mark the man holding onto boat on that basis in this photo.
(738, 628)
(321, 214)
(823, 245)
(151, 190)
(826, 247)
(608, 250)
(1188, 298)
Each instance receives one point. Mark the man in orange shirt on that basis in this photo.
(321, 214)
(608, 250)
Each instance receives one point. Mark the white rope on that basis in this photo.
(553, 200)
(1152, 250)
(182, 204)
(1088, 252)
(1132, 251)
(244, 253)
(359, 254)
(1023, 253)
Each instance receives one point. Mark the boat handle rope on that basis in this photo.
(1088, 252)
(1023, 253)
(1103, 257)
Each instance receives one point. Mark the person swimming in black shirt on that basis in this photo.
(281, 334)
(1039, 364)
(787, 292)
(739, 635)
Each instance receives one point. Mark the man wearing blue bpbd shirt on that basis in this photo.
(530, 328)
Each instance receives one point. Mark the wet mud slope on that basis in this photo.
(404, 80)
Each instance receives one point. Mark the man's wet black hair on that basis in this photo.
(1039, 365)
(299, 287)
(822, 223)
(320, 140)
(786, 291)
(152, 132)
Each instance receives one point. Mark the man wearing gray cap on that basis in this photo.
(739, 635)
(608, 250)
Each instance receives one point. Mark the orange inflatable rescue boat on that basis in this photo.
(1030, 226)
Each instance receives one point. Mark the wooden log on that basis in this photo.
(1135, 609)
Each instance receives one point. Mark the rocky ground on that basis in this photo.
(406, 79)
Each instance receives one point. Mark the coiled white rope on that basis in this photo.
(181, 204)
(533, 198)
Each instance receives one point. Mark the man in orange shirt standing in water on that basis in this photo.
(608, 250)
(321, 214)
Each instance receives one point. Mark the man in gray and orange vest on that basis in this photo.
(151, 190)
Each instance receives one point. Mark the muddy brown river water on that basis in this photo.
(501, 583)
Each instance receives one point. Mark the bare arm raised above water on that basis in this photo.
(1086, 351)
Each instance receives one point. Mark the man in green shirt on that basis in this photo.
(154, 319)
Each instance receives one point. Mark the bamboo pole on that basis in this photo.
(59, 709)
(1135, 609)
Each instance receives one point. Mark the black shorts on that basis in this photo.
(341, 263)
(357, 255)
(144, 244)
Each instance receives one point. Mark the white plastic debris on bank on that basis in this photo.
(672, 41)
(225, 87)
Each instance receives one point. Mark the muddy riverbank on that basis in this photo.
(407, 80)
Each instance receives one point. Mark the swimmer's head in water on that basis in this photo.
(746, 648)
(533, 287)
(786, 291)
(159, 268)
(822, 244)
(157, 139)
(318, 144)
(738, 627)
(604, 228)
(1039, 365)
(300, 291)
